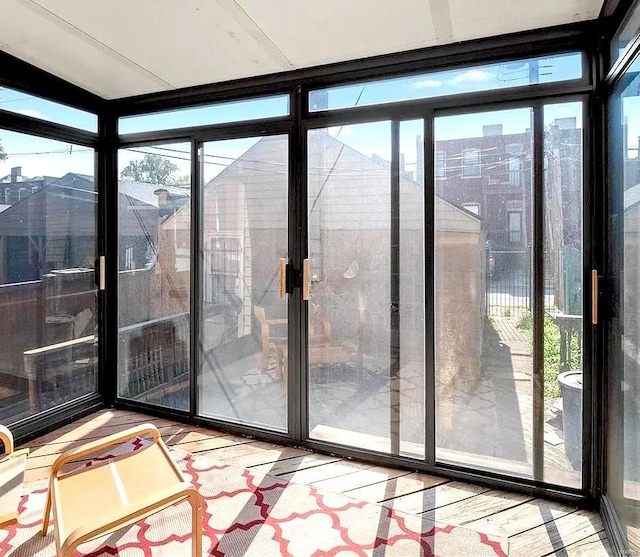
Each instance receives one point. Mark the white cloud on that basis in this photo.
(427, 83)
(472, 75)
(32, 113)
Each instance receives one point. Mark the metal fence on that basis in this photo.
(508, 284)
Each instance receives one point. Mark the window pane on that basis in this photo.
(29, 105)
(517, 73)
(366, 359)
(471, 162)
(623, 423)
(482, 293)
(626, 34)
(48, 335)
(563, 294)
(220, 113)
(244, 349)
(154, 256)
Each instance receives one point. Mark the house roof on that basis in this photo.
(261, 161)
(66, 205)
(631, 197)
(136, 48)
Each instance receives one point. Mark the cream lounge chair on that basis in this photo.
(91, 501)
(12, 466)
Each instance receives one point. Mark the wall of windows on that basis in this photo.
(400, 280)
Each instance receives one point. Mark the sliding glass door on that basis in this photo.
(243, 344)
(48, 289)
(508, 291)
(154, 272)
(483, 298)
(366, 290)
(431, 310)
(467, 300)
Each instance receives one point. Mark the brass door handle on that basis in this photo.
(283, 277)
(102, 277)
(594, 297)
(306, 278)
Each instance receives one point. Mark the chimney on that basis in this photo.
(493, 129)
(566, 123)
(16, 172)
(162, 198)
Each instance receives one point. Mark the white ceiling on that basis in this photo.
(117, 48)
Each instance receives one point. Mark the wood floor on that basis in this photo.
(534, 527)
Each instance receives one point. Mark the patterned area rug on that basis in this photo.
(251, 514)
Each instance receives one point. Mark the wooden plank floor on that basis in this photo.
(534, 527)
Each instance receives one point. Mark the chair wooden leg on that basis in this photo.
(265, 352)
(47, 513)
(196, 514)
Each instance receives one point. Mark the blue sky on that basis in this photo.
(452, 82)
(41, 156)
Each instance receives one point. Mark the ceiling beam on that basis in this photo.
(442, 20)
(20, 75)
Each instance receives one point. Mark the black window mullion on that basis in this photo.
(537, 302)
(429, 279)
(196, 286)
(298, 382)
(394, 282)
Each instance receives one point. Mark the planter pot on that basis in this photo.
(571, 390)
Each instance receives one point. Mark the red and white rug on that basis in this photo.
(251, 514)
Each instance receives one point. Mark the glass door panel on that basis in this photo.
(483, 345)
(366, 307)
(563, 300)
(243, 346)
(48, 296)
(623, 359)
(154, 247)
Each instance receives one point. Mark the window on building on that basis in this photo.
(514, 225)
(129, 261)
(441, 164)
(472, 208)
(515, 154)
(223, 257)
(22, 193)
(7, 195)
(471, 162)
(34, 189)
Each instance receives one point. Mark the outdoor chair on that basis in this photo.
(270, 342)
(12, 467)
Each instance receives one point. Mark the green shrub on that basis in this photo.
(551, 353)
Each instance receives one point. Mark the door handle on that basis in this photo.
(306, 279)
(102, 276)
(594, 297)
(283, 277)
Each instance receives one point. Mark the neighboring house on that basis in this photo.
(490, 176)
(15, 187)
(245, 217)
(47, 252)
(54, 227)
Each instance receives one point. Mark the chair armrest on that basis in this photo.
(7, 438)
(135, 512)
(94, 446)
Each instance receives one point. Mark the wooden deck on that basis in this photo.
(534, 527)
